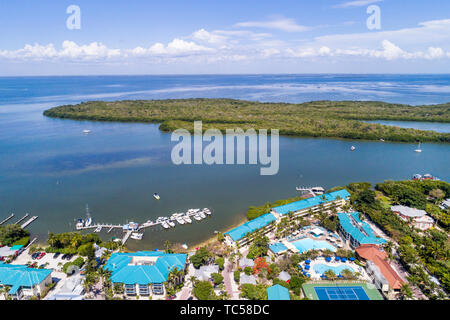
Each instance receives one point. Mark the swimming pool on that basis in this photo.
(307, 244)
(322, 268)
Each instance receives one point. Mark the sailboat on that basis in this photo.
(418, 150)
(89, 218)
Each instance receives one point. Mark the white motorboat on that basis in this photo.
(156, 196)
(98, 229)
(136, 236)
(80, 224)
(202, 215)
(353, 148)
(197, 217)
(86, 131)
(207, 211)
(171, 223)
(180, 220)
(165, 225)
(187, 219)
(184, 246)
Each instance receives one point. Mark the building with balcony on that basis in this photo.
(355, 232)
(145, 272)
(418, 218)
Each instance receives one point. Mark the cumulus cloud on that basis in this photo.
(283, 24)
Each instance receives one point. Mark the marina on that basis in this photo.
(23, 218)
(131, 228)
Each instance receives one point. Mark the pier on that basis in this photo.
(23, 218)
(10, 217)
(126, 236)
(28, 222)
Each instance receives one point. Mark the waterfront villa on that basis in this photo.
(356, 232)
(266, 222)
(378, 257)
(144, 272)
(24, 282)
(418, 218)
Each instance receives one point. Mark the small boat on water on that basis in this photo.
(136, 236)
(207, 211)
(98, 229)
(156, 196)
(88, 221)
(353, 148)
(187, 219)
(80, 224)
(180, 220)
(165, 225)
(171, 223)
(202, 215)
(86, 131)
(197, 217)
(418, 150)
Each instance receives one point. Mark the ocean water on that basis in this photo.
(49, 168)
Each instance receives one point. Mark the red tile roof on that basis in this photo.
(373, 253)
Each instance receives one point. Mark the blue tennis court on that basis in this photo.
(341, 293)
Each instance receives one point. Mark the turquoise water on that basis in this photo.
(307, 244)
(322, 268)
(49, 168)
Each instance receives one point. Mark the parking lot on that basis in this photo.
(47, 260)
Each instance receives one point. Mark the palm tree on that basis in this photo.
(406, 292)
(5, 291)
(167, 246)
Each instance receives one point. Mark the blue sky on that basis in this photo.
(245, 36)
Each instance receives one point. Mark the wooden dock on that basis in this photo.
(126, 236)
(23, 218)
(28, 222)
(10, 217)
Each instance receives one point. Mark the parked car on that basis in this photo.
(190, 298)
(56, 255)
(34, 265)
(69, 256)
(35, 255)
(64, 256)
(171, 297)
(41, 255)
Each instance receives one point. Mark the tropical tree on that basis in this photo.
(406, 292)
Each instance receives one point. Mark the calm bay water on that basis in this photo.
(49, 168)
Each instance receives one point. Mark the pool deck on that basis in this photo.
(321, 260)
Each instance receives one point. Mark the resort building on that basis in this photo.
(9, 252)
(377, 263)
(24, 282)
(315, 204)
(144, 272)
(278, 292)
(72, 289)
(263, 223)
(418, 218)
(355, 232)
(266, 222)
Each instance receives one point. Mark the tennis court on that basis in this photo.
(341, 291)
(337, 293)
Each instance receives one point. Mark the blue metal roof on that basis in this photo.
(278, 292)
(123, 272)
(368, 238)
(277, 247)
(311, 202)
(251, 226)
(18, 276)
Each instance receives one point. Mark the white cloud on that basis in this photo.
(357, 3)
(283, 24)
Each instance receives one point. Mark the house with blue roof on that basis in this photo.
(314, 204)
(261, 223)
(278, 292)
(355, 231)
(24, 282)
(143, 272)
